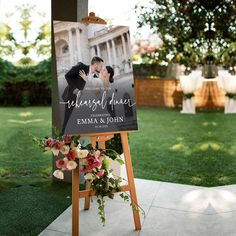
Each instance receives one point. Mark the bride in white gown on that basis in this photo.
(98, 81)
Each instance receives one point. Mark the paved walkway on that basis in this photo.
(171, 210)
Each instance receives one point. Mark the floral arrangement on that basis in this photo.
(188, 96)
(94, 163)
(231, 95)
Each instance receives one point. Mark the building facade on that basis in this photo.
(76, 42)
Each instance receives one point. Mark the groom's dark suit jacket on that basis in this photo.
(74, 80)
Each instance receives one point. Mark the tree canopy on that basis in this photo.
(193, 32)
(28, 37)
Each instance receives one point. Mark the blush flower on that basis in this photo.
(89, 176)
(101, 172)
(67, 138)
(71, 165)
(65, 149)
(82, 153)
(57, 147)
(93, 162)
(49, 142)
(58, 174)
(61, 164)
(58, 144)
(65, 159)
(55, 151)
(72, 154)
(87, 169)
(97, 154)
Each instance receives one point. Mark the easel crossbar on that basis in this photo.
(88, 193)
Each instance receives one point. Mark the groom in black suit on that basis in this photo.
(76, 83)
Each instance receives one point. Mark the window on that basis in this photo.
(65, 49)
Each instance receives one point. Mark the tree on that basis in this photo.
(28, 41)
(193, 32)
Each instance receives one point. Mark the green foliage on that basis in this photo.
(149, 71)
(193, 32)
(115, 144)
(25, 85)
(231, 95)
(188, 95)
(12, 43)
(7, 70)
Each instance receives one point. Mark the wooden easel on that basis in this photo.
(100, 139)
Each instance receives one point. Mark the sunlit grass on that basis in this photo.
(25, 114)
(192, 149)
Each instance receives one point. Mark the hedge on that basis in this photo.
(25, 85)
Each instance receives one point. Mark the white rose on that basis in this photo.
(79, 146)
(82, 153)
(65, 149)
(58, 174)
(71, 165)
(89, 176)
(55, 151)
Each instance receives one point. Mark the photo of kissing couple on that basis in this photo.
(80, 77)
(94, 77)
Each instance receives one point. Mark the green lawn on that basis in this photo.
(29, 201)
(191, 149)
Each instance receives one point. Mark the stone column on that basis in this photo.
(98, 50)
(125, 62)
(93, 52)
(116, 68)
(71, 48)
(109, 53)
(129, 51)
(78, 43)
(124, 46)
(128, 38)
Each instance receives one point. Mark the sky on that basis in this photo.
(120, 12)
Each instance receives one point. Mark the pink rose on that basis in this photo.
(86, 169)
(72, 154)
(93, 162)
(101, 158)
(101, 173)
(58, 145)
(49, 142)
(61, 164)
(67, 138)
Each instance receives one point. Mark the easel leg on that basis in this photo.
(87, 198)
(130, 176)
(75, 202)
(87, 186)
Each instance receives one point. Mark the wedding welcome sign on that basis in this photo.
(95, 78)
